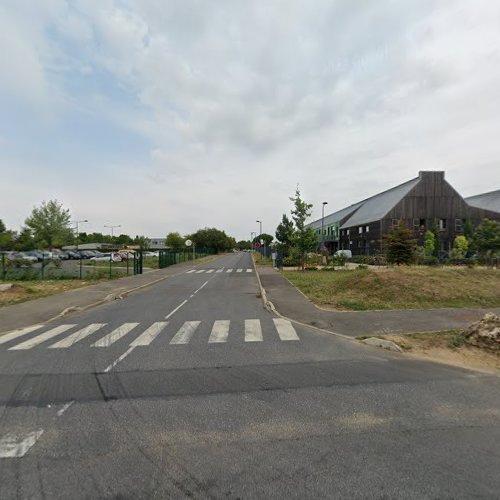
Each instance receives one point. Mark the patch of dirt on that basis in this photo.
(14, 294)
(438, 346)
(485, 333)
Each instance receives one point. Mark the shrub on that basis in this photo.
(290, 262)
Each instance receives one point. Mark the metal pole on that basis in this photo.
(322, 224)
(260, 222)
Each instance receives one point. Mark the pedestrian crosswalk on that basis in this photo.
(220, 270)
(220, 332)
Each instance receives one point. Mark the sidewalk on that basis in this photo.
(289, 302)
(48, 308)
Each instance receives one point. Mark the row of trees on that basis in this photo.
(484, 241)
(208, 237)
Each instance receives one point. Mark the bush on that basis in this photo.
(428, 260)
(310, 268)
(290, 262)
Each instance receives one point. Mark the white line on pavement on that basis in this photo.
(14, 446)
(77, 336)
(176, 309)
(229, 270)
(239, 270)
(285, 329)
(220, 331)
(28, 344)
(64, 408)
(210, 271)
(192, 271)
(18, 333)
(183, 336)
(249, 270)
(253, 330)
(220, 270)
(146, 337)
(121, 358)
(201, 287)
(115, 335)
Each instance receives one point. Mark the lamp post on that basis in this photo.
(253, 235)
(322, 224)
(77, 232)
(112, 230)
(260, 234)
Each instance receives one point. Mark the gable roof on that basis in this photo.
(486, 201)
(376, 207)
(337, 216)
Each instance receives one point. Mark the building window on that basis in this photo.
(367, 229)
(348, 232)
(360, 229)
(459, 225)
(442, 224)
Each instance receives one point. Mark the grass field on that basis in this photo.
(400, 288)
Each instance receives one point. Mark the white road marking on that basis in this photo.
(192, 271)
(28, 344)
(121, 358)
(229, 270)
(200, 287)
(183, 336)
(18, 333)
(239, 270)
(286, 331)
(249, 270)
(253, 330)
(220, 270)
(13, 446)
(177, 308)
(64, 408)
(77, 336)
(115, 335)
(146, 337)
(200, 271)
(210, 271)
(220, 331)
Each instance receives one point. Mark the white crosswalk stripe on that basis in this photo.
(77, 336)
(210, 271)
(192, 271)
(28, 344)
(18, 333)
(239, 270)
(220, 331)
(253, 330)
(200, 271)
(146, 337)
(183, 336)
(220, 270)
(249, 270)
(285, 329)
(229, 270)
(115, 335)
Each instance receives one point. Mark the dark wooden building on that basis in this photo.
(422, 203)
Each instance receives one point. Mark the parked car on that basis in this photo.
(345, 253)
(114, 257)
(72, 255)
(27, 256)
(35, 253)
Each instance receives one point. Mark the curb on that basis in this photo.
(272, 309)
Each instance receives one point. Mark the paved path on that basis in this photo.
(291, 303)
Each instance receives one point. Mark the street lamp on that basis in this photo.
(260, 234)
(77, 233)
(112, 230)
(253, 235)
(322, 224)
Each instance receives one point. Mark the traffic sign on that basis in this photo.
(257, 245)
(189, 243)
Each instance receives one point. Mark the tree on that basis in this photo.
(210, 237)
(429, 243)
(486, 239)
(400, 245)
(142, 242)
(304, 239)
(460, 247)
(437, 240)
(25, 240)
(244, 245)
(50, 224)
(267, 238)
(284, 234)
(2, 227)
(175, 241)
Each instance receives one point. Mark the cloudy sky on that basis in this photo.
(165, 115)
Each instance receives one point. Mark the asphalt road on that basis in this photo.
(191, 389)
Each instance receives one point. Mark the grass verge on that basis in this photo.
(23, 291)
(400, 288)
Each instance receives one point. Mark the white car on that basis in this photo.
(114, 257)
(346, 253)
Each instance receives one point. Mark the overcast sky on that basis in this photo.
(167, 115)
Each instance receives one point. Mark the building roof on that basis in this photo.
(336, 217)
(486, 201)
(376, 207)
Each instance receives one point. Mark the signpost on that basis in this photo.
(188, 244)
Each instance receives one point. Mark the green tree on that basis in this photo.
(123, 239)
(400, 245)
(486, 239)
(285, 233)
(142, 242)
(2, 227)
(429, 243)
(460, 247)
(437, 240)
(25, 240)
(304, 239)
(244, 245)
(50, 224)
(175, 241)
(267, 238)
(215, 239)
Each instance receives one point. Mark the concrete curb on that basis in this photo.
(272, 309)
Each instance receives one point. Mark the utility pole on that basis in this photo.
(77, 233)
(260, 234)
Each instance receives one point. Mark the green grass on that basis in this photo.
(400, 288)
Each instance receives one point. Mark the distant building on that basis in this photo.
(90, 246)
(157, 243)
(421, 203)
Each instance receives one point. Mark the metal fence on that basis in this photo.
(50, 269)
(171, 257)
